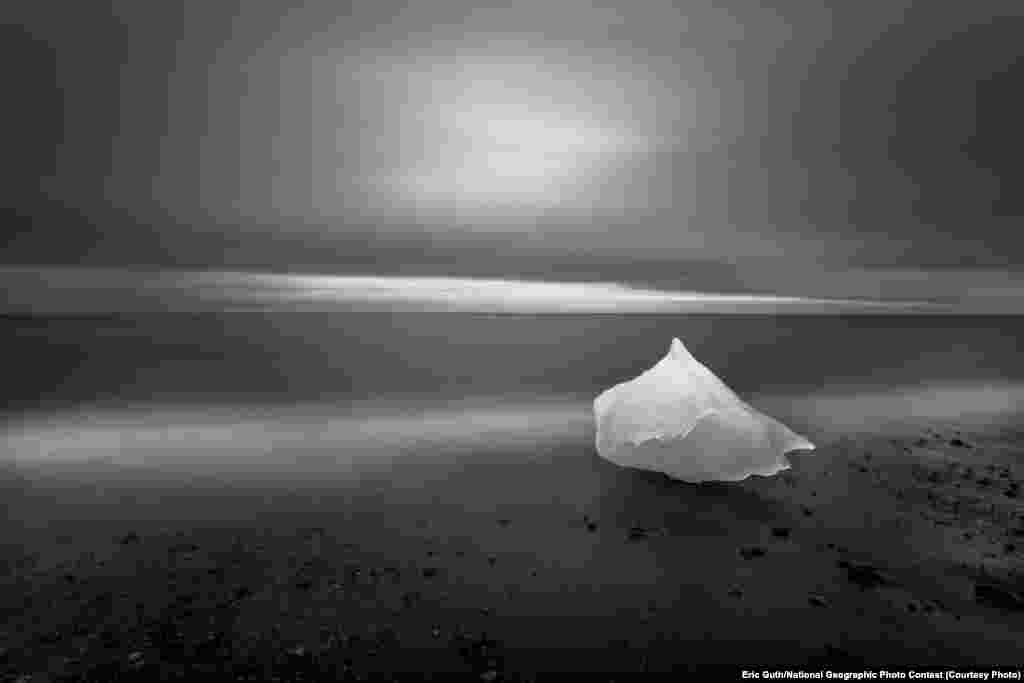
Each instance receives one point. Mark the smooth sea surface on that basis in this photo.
(280, 358)
(288, 379)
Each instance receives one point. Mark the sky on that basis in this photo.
(791, 148)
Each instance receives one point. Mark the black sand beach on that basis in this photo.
(902, 549)
(305, 307)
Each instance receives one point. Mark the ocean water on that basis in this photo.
(364, 378)
(283, 358)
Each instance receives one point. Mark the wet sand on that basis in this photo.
(896, 549)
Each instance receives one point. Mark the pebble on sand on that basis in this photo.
(750, 552)
(817, 601)
(863, 575)
(993, 595)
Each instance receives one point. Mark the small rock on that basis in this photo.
(751, 552)
(638, 532)
(997, 596)
(781, 532)
(184, 548)
(489, 676)
(51, 637)
(736, 592)
(806, 510)
(817, 601)
(504, 522)
(863, 575)
(130, 538)
(435, 632)
(492, 560)
(429, 572)
(959, 443)
(591, 526)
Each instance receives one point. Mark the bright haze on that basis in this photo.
(858, 151)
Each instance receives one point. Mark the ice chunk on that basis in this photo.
(678, 418)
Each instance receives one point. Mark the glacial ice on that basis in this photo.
(678, 418)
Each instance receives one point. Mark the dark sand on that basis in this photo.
(896, 550)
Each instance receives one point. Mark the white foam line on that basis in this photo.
(346, 432)
(377, 432)
(82, 290)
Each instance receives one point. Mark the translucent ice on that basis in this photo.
(678, 418)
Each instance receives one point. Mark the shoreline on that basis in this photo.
(884, 550)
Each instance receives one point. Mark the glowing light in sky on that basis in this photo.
(504, 153)
(492, 131)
